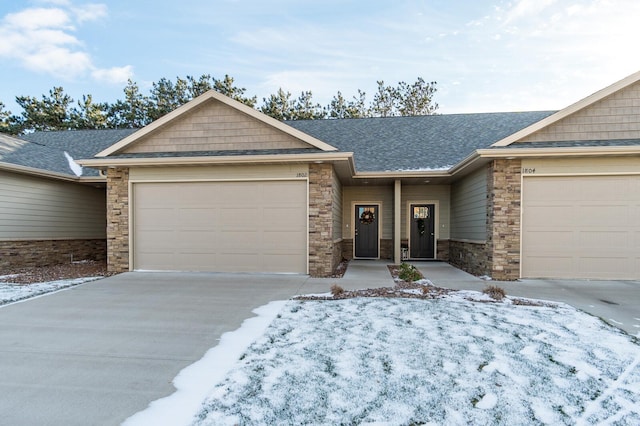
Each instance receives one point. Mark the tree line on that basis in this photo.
(58, 111)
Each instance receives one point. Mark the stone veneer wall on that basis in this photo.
(26, 254)
(322, 250)
(347, 248)
(442, 248)
(386, 249)
(503, 219)
(470, 257)
(118, 219)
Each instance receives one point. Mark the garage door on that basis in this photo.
(581, 227)
(220, 226)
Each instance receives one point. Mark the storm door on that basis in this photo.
(422, 238)
(366, 231)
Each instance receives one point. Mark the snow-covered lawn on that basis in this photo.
(12, 292)
(409, 361)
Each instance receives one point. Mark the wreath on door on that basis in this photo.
(420, 226)
(367, 217)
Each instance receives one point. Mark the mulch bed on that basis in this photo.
(86, 268)
(422, 289)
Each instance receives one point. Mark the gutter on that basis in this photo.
(236, 159)
(38, 172)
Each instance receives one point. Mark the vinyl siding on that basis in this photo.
(382, 195)
(33, 209)
(469, 207)
(438, 194)
(337, 208)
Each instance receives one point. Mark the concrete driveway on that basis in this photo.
(97, 353)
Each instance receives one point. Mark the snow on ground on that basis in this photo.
(437, 361)
(11, 292)
(410, 361)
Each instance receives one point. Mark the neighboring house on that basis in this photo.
(51, 210)
(217, 186)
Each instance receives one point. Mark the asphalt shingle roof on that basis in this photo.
(45, 150)
(431, 142)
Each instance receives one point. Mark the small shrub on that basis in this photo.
(409, 273)
(336, 290)
(495, 292)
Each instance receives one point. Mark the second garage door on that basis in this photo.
(257, 226)
(581, 227)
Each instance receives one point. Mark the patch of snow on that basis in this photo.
(487, 402)
(196, 381)
(6, 277)
(411, 291)
(425, 169)
(11, 292)
(75, 167)
(486, 278)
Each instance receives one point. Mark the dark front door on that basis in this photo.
(422, 238)
(366, 231)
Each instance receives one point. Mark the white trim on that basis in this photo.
(436, 225)
(213, 95)
(353, 225)
(571, 109)
(131, 197)
(215, 160)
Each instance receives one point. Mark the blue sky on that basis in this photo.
(485, 55)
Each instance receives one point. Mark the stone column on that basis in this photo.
(321, 259)
(503, 218)
(118, 220)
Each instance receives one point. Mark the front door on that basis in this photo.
(422, 238)
(366, 231)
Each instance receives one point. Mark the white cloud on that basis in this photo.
(115, 75)
(90, 12)
(43, 39)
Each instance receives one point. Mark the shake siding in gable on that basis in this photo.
(469, 207)
(614, 117)
(215, 127)
(41, 209)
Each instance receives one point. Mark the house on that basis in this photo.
(217, 186)
(51, 211)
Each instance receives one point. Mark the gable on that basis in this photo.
(617, 116)
(214, 126)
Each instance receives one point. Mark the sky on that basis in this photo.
(484, 55)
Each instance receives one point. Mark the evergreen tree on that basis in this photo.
(89, 115)
(50, 113)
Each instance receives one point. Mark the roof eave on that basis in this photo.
(37, 172)
(510, 153)
(107, 162)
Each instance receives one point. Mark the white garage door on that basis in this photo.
(581, 227)
(220, 226)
